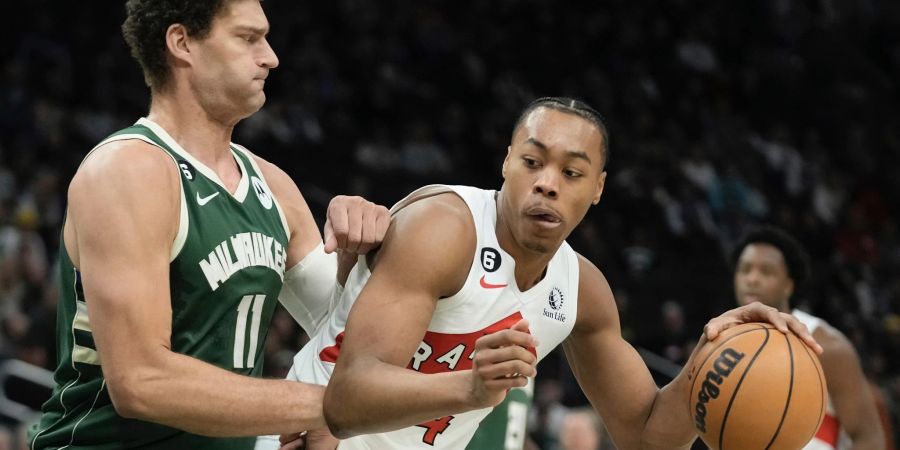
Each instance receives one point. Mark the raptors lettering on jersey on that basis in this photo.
(439, 352)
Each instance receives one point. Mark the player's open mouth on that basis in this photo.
(544, 217)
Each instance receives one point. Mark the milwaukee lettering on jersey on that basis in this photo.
(239, 252)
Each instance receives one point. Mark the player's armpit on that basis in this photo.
(615, 378)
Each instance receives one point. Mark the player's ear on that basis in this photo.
(177, 43)
(506, 161)
(601, 183)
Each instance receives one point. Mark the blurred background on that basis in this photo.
(721, 115)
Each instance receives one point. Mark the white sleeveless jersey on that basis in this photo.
(489, 301)
(830, 435)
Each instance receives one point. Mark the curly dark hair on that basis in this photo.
(145, 28)
(571, 106)
(795, 257)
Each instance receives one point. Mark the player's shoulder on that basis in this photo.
(124, 164)
(835, 344)
(591, 278)
(125, 178)
(446, 212)
(596, 304)
(436, 234)
(440, 225)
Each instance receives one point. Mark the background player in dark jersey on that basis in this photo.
(176, 246)
(770, 267)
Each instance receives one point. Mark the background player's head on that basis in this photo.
(215, 50)
(769, 267)
(554, 170)
(582, 429)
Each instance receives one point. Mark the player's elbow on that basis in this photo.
(129, 395)
(338, 407)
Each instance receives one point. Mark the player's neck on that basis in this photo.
(530, 265)
(530, 270)
(195, 130)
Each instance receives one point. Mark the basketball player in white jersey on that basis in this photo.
(770, 265)
(472, 287)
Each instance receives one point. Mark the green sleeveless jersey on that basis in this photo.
(226, 270)
(504, 427)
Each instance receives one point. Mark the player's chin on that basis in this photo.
(538, 244)
(255, 103)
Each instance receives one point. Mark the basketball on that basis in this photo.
(755, 387)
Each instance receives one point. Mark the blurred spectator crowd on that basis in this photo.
(721, 115)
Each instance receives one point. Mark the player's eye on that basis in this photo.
(529, 162)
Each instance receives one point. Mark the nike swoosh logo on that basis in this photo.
(487, 285)
(204, 200)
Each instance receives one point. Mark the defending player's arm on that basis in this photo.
(122, 234)
(354, 226)
(618, 383)
(371, 389)
(849, 390)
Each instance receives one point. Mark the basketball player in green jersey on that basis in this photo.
(177, 245)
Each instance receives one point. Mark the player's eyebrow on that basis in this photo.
(579, 154)
(253, 29)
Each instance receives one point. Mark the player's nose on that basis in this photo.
(269, 58)
(546, 184)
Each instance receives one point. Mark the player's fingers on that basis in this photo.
(337, 215)
(354, 226)
(286, 439)
(378, 222)
(328, 237)
(803, 333)
(718, 325)
(508, 353)
(757, 312)
(506, 369)
(384, 221)
(369, 229)
(522, 325)
(295, 445)
(506, 383)
(505, 337)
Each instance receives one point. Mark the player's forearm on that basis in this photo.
(194, 396)
(384, 398)
(669, 425)
(869, 441)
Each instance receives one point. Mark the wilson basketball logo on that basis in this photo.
(709, 390)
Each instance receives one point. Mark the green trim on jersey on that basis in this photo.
(226, 271)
